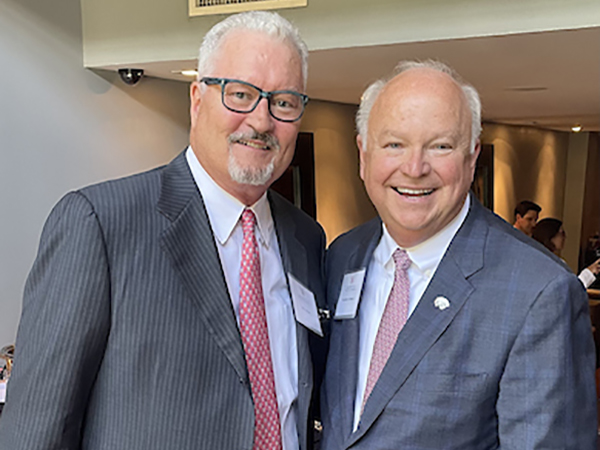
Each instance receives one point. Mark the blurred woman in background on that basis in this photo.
(550, 233)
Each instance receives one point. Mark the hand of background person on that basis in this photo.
(595, 267)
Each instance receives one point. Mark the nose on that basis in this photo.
(415, 163)
(260, 119)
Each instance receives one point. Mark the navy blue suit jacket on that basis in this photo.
(510, 364)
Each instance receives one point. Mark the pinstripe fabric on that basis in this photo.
(127, 339)
(510, 364)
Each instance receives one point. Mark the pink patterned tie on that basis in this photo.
(392, 321)
(255, 337)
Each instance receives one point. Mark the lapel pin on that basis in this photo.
(441, 303)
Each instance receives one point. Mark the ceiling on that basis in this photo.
(549, 80)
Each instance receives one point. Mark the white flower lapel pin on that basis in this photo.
(441, 303)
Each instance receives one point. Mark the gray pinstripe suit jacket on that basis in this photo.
(128, 339)
(510, 364)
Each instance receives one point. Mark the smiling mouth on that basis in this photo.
(414, 192)
(252, 144)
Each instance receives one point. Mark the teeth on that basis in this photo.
(406, 191)
(254, 145)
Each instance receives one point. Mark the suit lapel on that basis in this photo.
(463, 258)
(294, 261)
(293, 252)
(189, 243)
(350, 328)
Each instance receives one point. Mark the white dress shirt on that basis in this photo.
(224, 212)
(425, 259)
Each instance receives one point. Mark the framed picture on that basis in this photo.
(208, 7)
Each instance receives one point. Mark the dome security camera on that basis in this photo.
(131, 77)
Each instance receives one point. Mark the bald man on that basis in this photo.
(452, 330)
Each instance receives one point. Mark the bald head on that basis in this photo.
(427, 71)
(426, 93)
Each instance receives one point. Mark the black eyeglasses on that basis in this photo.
(241, 97)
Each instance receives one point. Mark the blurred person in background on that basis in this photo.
(550, 233)
(526, 216)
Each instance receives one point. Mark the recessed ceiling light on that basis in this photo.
(576, 128)
(186, 73)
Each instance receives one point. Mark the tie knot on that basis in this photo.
(401, 259)
(248, 221)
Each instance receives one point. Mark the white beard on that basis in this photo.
(258, 176)
(254, 176)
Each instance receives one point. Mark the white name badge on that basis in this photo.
(305, 306)
(350, 295)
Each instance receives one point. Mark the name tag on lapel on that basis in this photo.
(350, 295)
(305, 306)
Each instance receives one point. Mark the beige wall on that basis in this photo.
(342, 202)
(529, 164)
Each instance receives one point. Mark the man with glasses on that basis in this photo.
(242, 97)
(173, 309)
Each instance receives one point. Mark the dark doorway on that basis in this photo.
(483, 181)
(297, 184)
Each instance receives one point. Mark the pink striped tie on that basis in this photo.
(393, 319)
(255, 337)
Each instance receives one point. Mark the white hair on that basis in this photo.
(272, 24)
(372, 93)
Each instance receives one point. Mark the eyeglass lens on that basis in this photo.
(243, 98)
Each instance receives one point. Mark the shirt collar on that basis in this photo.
(427, 255)
(224, 210)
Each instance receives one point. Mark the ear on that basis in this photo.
(195, 99)
(474, 156)
(361, 155)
